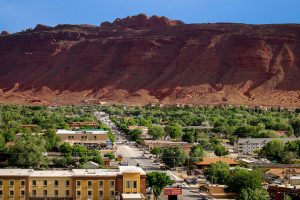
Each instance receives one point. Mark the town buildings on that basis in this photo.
(87, 138)
(150, 144)
(76, 184)
(247, 146)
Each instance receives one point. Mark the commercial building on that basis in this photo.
(76, 184)
(247, 146)
(277, 192)
(150, 144)
(87, 138)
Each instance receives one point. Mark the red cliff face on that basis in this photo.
(138, 60)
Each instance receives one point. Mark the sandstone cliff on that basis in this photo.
(140, 59)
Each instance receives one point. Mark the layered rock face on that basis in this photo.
(140, 60)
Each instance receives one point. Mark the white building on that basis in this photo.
(247, 146)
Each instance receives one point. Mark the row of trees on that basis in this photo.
(278, 151)
(239, 121)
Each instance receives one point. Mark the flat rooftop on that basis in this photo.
(264, 140)
(71, 173)
(88, 131)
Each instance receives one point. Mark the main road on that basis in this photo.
(135, 156)
(131, 154)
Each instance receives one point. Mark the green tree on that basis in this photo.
(174, 131)
(135, 134)
(157, 181)
(2, 142)
(156, 132)
(287, 197)
(274, 150)
(218, 173)
(65, 148)
(242, 179)
(157, 151)
(52, 140)
(196, 154)
(110, 155)
(173, 156)
(111, 136)
(28, 152)
(220, 150)
(253, 194)
(189, 135)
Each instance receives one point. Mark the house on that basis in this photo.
(92, 139)
(206, 162)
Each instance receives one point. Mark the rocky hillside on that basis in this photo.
(138, 60)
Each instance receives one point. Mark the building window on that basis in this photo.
(67, 193)
(100, 194)
(89, 193)
(78, 193)
(11, 183)
(33, 183)
(67, 183)
(45, 183)
(134, 184)
(127, 184)
(45, 193)
(1, 183)
(56, 183)
(22, 183)
(112, 193)
(11, 193)
(22, 193)
(101, 184)
(1, 193)
(90, 184)
(78, 183)
(112, 184)
(56, 193)
(95, 137)
(33, 193)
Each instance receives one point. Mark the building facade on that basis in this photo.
(247, 146)
(87, 138)
(150, 144)
(76, 184)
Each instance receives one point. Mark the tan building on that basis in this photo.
(87, 138)
(206, 162)
(150, 144)
(76, 184)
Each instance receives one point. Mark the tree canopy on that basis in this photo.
(157, 181)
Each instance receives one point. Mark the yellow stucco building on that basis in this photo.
(127, 182)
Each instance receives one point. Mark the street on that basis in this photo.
(135, 156)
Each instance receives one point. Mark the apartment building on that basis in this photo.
(247, 146)
(127, 182)
(87, 138)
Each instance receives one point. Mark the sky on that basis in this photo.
(17, 15)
